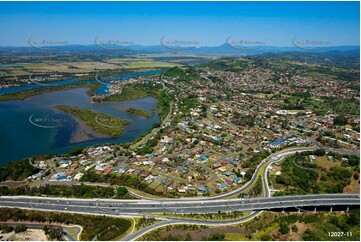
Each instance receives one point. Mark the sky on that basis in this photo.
(207, 23)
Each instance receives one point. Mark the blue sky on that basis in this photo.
(209, 23)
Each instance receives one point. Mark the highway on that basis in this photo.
(174, 221)
(221, 203)
(136, 207)
(329, 149)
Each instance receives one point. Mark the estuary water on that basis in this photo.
(33, 126)
(102, 89)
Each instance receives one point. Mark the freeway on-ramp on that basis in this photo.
(220, 203)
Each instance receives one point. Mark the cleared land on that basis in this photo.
(268, 226)
(93, 226)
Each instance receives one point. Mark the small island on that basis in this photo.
(141, 112)
(99, 122)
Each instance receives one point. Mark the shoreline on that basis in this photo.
(24, 94)
(83, 132)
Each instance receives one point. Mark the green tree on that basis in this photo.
(122, 191)
(217, 237)
(20, 228)
(294, 228)
(340, 120)
(188, 237)
(75, 151)
(46, 229)
(266, 237)
(18, 170)
(54, 233)
(309, 235)
(284, 229)
(320, 152)
(354, 217)
(6, 228)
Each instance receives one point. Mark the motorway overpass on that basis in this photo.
(139, 207)
(150, 208)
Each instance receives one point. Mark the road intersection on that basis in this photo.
(151, 208)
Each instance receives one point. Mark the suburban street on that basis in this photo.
(163, 121)
(276, 157)
(151, 208)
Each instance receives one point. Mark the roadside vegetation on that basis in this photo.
(17, 229)
(139, 139)
(78, 191)
(181, 232)
(53, 233)
(304, 226)
(132, 181)
(269, 226)
(302, 176)
(92, 225)
(254, 191)
(17, 171)
(210, 216)
(144, 222)
(150, 145)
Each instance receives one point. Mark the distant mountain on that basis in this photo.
(66, 50)
(346, 58)
(255, 50)
(224, 49)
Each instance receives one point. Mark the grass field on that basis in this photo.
(84, 67)
(99, 122)
(325, 163)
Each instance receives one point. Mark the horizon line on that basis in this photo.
(149, 45)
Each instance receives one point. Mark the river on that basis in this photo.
(20, 138)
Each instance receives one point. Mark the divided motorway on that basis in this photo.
(192, 205)
(138, 207)
(220, 203)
